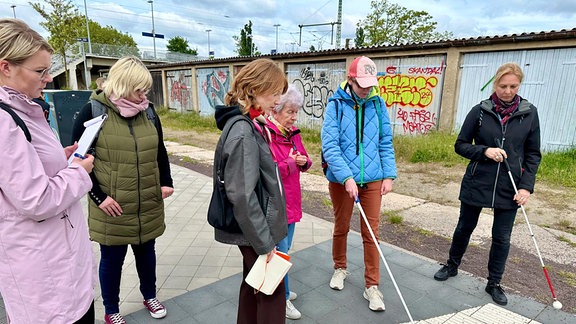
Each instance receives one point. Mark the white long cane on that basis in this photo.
(357, 201)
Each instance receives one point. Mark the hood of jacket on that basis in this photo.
(223, 113)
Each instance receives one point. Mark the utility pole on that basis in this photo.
(13, 10)
(87, 28)
(276, 48)
(151, 2)
(208, 31)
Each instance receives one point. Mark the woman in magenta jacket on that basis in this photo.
(289, 153)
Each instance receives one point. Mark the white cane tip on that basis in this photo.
(557, 305)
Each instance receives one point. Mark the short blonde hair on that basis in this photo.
(259, 77)
(126, 77)
(507, 68)
(18, 41)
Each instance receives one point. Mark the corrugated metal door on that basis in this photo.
(548, 76)
(180, 90)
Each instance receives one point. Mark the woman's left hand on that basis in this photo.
(166, 192)
(522, 197)
(68, 150)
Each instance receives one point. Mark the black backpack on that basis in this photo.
(17, 120)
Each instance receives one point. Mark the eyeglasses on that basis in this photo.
(143, 92)
(43, 72)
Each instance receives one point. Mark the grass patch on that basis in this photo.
(424, 232)
(326, 202)
(558, 168)
(562, 238)
(393, 216)
(569, 277)
(188, 121)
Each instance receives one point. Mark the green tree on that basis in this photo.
(62, 22)
(360, 37)
(180, 45)
(244, 43)
(390, 23)
(123, 43)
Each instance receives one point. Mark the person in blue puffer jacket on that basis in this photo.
(357, 147)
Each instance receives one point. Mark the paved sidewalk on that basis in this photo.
(198, 278)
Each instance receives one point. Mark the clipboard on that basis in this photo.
(93, 127)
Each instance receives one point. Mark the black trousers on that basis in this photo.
(258, 308)
(88, 318)
(501, 232)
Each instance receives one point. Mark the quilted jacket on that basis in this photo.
(357, 143)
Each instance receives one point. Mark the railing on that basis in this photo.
(75, 55)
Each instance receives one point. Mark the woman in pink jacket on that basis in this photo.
(47, 269)
(289, 153)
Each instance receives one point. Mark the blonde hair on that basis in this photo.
(126, 77)
(259, 77)
(18, 41)
(507, 68)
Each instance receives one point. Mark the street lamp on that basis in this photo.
(87, 28)
(151, 2)
(13, 10)
(276, 25)
(208, 31)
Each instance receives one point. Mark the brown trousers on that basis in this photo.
(370, 199)
(259, 308)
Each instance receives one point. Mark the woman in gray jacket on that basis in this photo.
(252, 184)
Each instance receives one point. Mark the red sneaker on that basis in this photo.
(115, 318)
(156, 309)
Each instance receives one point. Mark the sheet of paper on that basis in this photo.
(90, 133)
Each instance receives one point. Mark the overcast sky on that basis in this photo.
(225, 18)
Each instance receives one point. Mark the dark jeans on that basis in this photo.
(501, 232)
(111, 261)
(88, 318)
(258, 308)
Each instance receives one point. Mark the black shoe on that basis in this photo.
(446, 272)
(497, 293)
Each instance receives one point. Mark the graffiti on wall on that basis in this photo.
(412, 93)
(315, 89)
(215, 86)
(179, 89)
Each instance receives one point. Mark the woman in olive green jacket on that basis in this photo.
(131, 177)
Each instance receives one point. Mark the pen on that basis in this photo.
(80, 156)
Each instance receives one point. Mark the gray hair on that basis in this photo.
(292, 96)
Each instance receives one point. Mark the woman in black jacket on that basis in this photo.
(252, 182)
(505, 126)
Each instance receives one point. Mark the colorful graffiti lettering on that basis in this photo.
(215, 87)
(179, 91)
(426, 70)
(407, 90)
(417, 121)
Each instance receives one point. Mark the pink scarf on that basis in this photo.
(128, 108)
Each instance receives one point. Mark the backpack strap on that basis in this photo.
(19, 122)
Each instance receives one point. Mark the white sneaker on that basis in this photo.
(291, 311)
(337, 281)
(293, 296)
(375, 297)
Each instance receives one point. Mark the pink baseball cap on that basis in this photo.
(364, 70)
